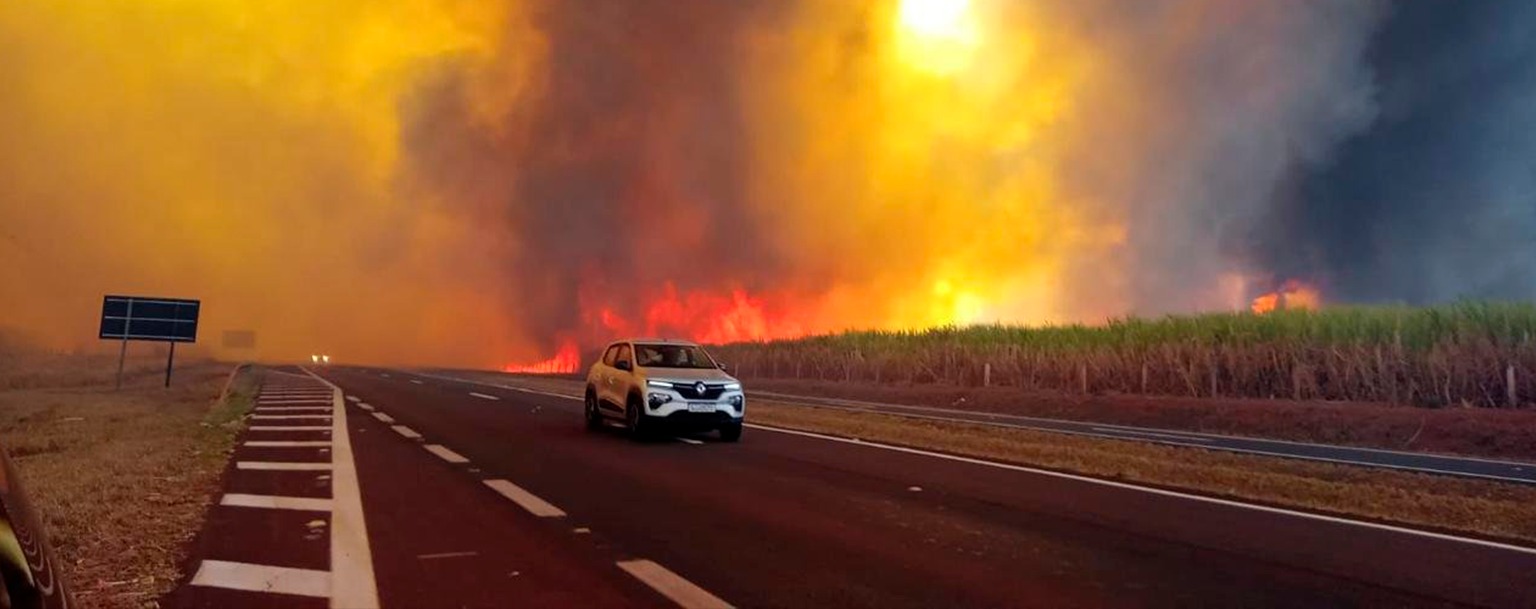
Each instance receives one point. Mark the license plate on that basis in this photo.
(701, 406)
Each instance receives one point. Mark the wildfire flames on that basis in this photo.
(1294, 294)
(565, 361)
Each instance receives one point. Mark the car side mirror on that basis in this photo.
(625, 366)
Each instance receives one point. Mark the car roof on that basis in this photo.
(664, 341)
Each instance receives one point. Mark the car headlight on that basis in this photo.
(659, 384)
(733, 386)
(658, 399)
(737, 400)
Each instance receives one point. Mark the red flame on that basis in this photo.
(1294, 294)
(565, 361)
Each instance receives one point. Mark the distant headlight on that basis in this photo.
(733, 386)
(659, 384)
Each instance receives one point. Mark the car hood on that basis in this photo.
(689, 375)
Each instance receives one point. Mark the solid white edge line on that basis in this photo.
(282, 466)
(484, 396)
(1156, 491)
(445, 453)
(671, 585)
(275, 502)
(407, 432)
(1227, 502)
(524, 499)
(271, 417)
(1133, 434)
(353, 584)
(263, 578)
(288, 443)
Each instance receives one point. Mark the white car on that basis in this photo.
(651, 383)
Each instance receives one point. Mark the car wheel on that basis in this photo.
(635, 418)
(594, 418)
(731, 432)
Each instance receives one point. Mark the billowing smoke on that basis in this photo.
(484, 183)
(1436, 199)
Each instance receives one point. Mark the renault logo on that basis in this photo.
(698, 388)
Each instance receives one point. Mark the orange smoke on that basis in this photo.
(565, 361)
(1294, 294)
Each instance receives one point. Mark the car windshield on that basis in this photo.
(672, 356)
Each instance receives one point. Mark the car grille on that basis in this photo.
(711, 392)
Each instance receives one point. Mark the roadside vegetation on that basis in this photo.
(123, 478)
(1467, 354)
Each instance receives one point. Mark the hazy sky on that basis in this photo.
(478, 183)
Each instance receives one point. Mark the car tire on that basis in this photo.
(731, 432)
(635, 418)
(594, 417)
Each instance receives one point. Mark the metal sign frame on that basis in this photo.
(171, 320)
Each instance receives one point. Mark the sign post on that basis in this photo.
(170, 320)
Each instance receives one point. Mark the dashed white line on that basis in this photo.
(673, 586)
(383, 417)
(528, 501)
(687, 440)
(262, 578)
(326, 428)
(289, 443)
(365, 406)
(273, 502)
(407, 432)
(446, 453)
(416, 382)
(354, 399)
(484, 396)
(282, 466)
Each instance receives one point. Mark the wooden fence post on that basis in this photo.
(1509, 385)
(1082, 377)
(986, 375)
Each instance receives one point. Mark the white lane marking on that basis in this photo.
(499, 386)
(326, 408)
(445, 453)
(671, 585)
(446, 555)
(383, 417)
(416, 382)
(351, 558)
(262, 578)
(365, 406)
(528, 501)
(290, 402)
(273, 417)
(688, 440)
(274, 502)
(407, 432)
(1157, 491)
(484, 396)
(288, 428)
(289, 443)
(354, 399)
(282, 466)
(314, 392)
(385, 375)
(1128, 432)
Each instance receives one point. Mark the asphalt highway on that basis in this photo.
(500, 497)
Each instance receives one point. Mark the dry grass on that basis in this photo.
(1491, 509)
(123, 479)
